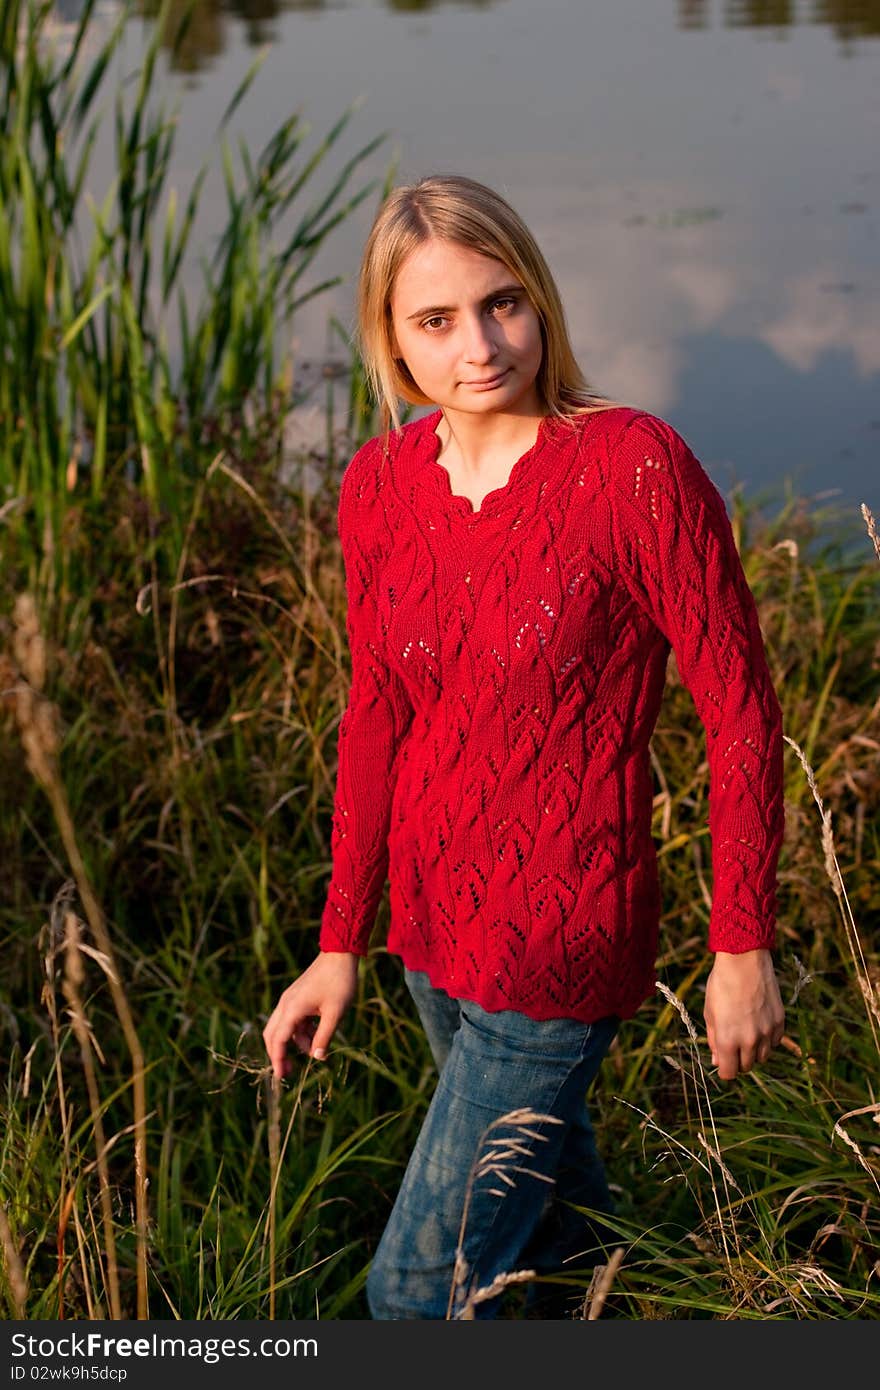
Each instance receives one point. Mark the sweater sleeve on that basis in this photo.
(372, 727)
(677, 555)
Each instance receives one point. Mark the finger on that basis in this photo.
(323, 1033)
(275, 1048)
(303, 1034)
(280, 1030)
(728, 1062)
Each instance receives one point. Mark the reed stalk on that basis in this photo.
(38, 728)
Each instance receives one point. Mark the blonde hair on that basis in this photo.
(458, 209)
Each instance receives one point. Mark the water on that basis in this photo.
(703, 177)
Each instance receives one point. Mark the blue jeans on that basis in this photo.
(517, 1217)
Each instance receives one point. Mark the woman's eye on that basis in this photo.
(438, 321)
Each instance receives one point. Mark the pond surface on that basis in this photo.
(704, 179)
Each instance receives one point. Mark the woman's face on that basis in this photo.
(466, 330)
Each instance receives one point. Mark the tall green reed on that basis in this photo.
(94, 382)
(102, 419)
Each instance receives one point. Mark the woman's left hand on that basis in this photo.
(744, 1013)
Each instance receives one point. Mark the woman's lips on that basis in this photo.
(488, 382)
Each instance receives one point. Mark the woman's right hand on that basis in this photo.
(323, 992)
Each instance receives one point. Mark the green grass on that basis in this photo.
(201, 806)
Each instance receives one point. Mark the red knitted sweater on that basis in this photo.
(507, 670)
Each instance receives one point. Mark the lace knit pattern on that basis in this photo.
(508, 666)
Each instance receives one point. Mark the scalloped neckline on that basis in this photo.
(462, 504)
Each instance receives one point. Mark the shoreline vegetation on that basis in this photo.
(172, 675)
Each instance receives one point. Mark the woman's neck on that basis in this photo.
(478, 442)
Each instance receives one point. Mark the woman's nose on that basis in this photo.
(479, 345)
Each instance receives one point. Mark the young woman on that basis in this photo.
(519, 563)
